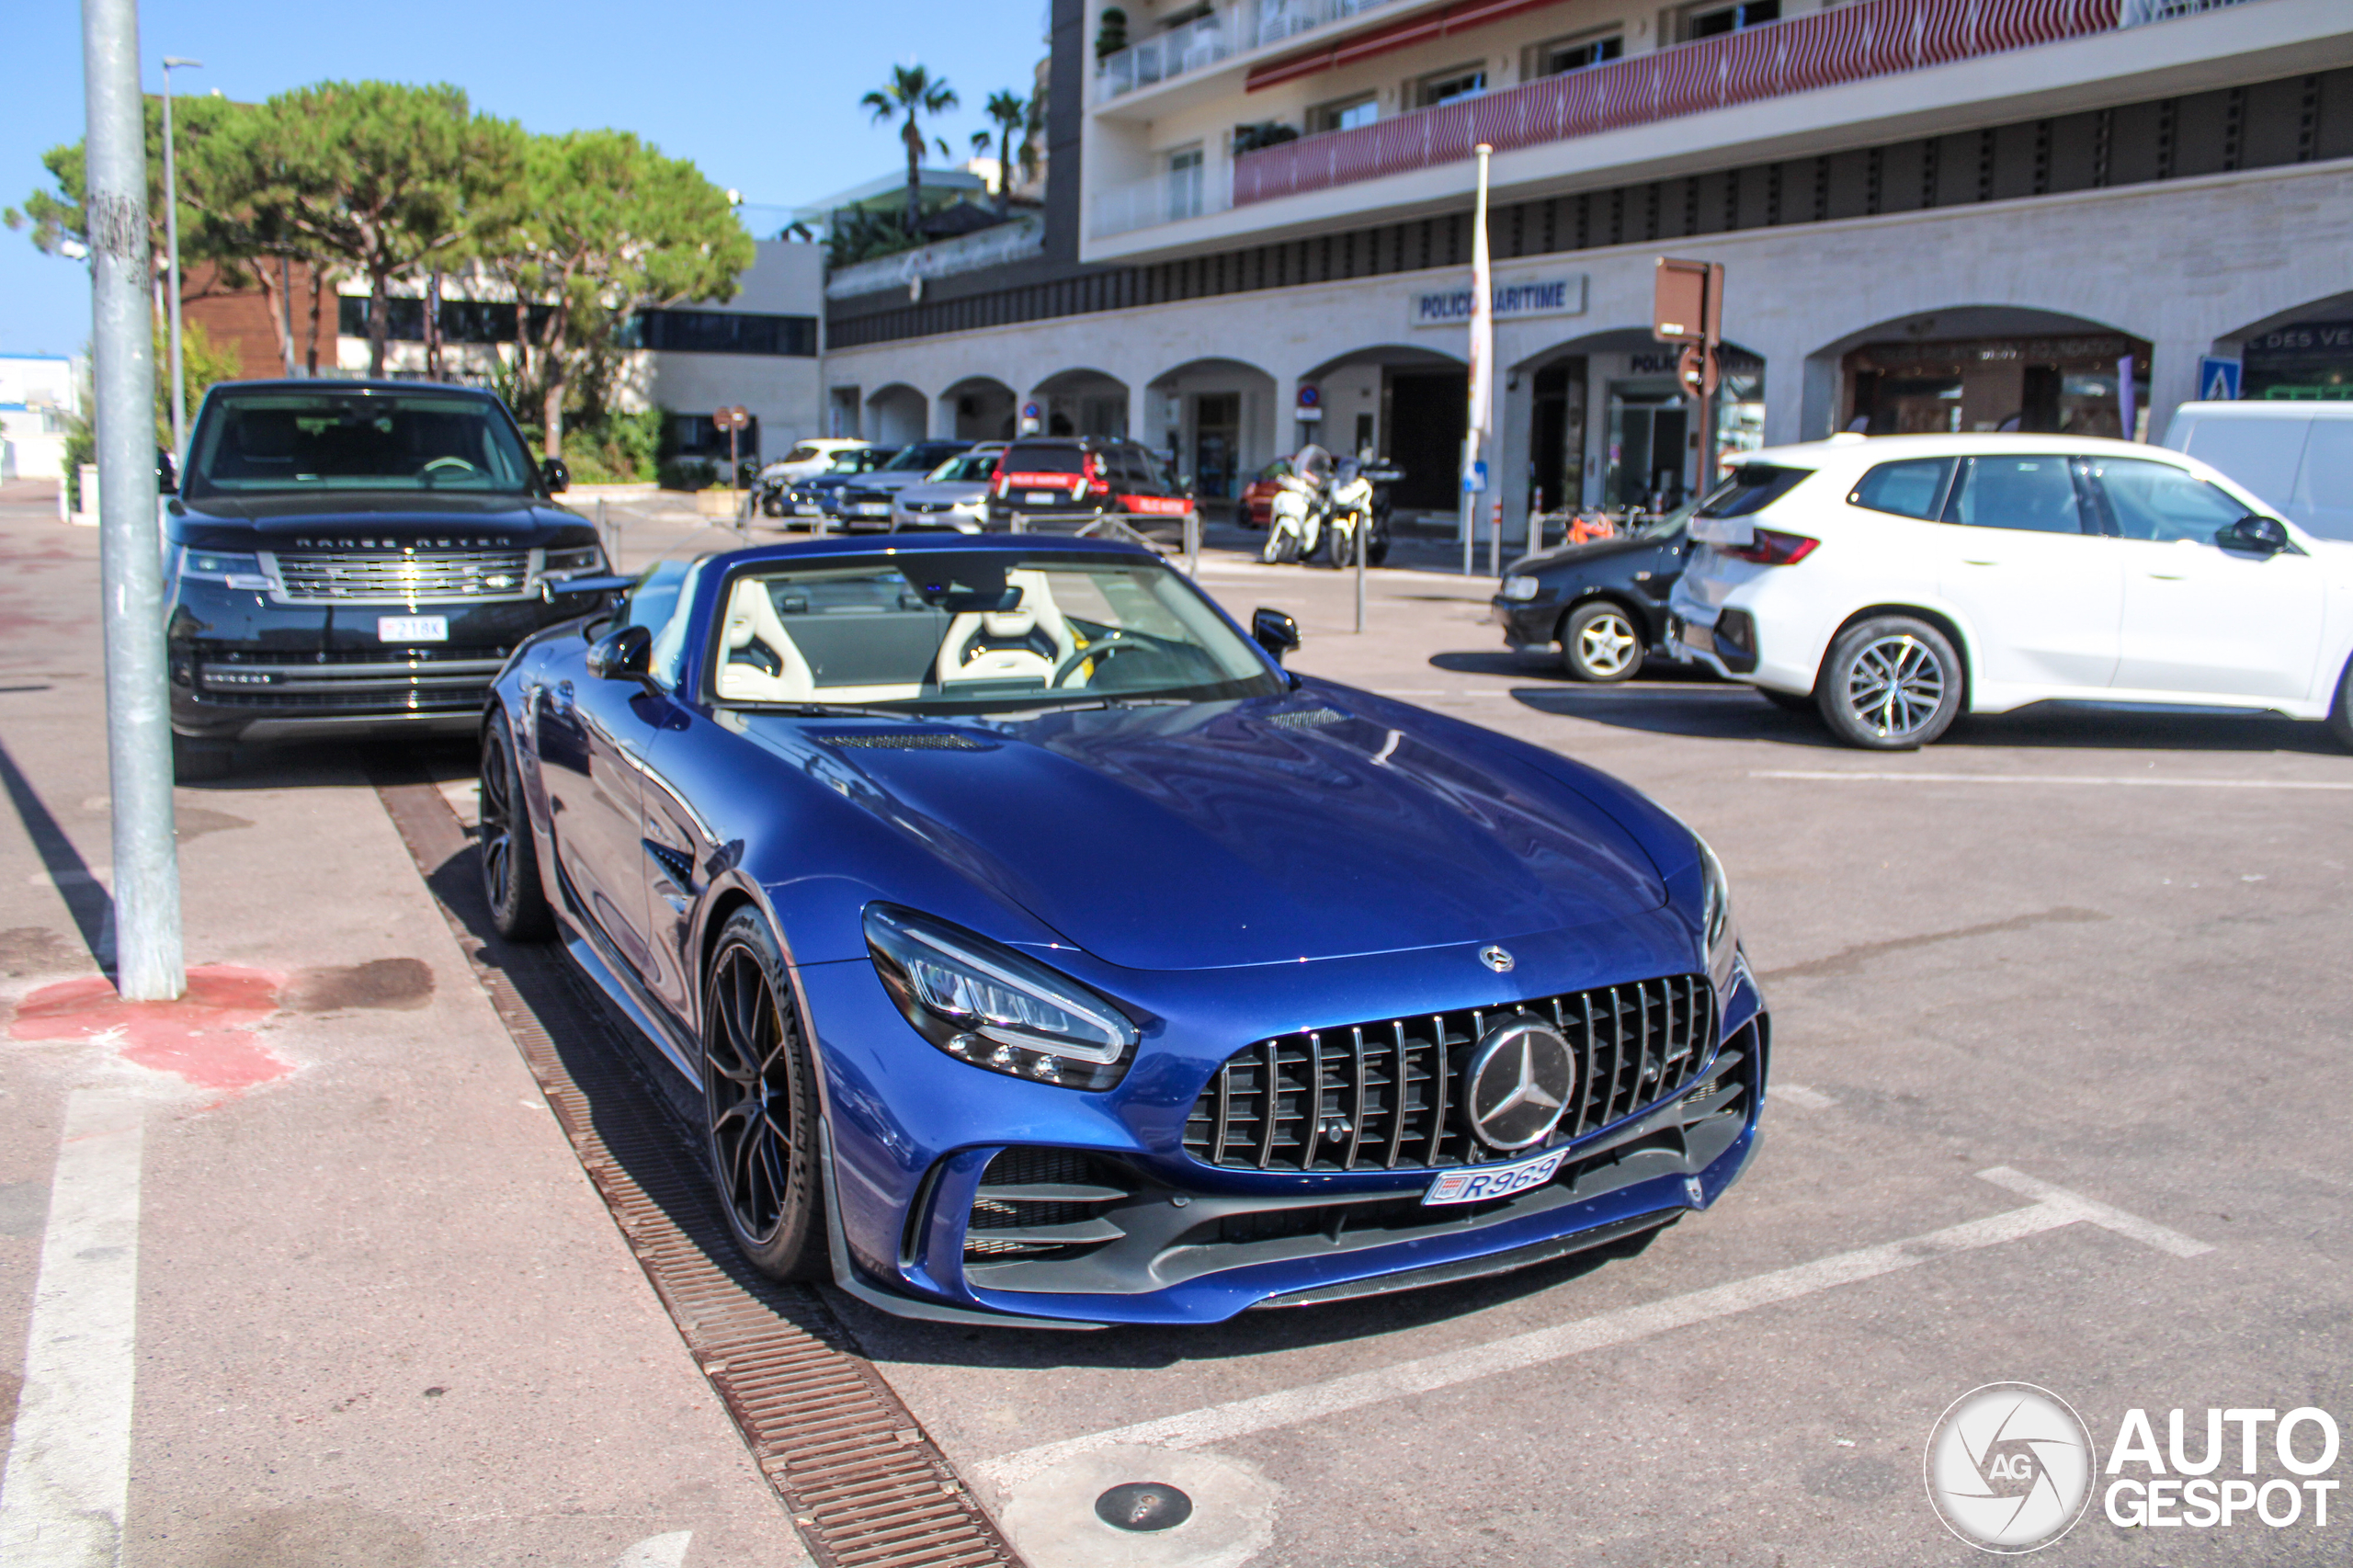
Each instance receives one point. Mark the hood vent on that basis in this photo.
(1308, 718)
(913, 739)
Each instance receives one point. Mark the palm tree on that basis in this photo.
(912, 92)
(1009, 112)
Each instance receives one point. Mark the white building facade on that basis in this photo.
(1933, 214)
(39, 396)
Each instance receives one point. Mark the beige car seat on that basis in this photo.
(752, 618)
(1035, 612)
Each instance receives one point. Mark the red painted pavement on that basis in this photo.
(205, 1038)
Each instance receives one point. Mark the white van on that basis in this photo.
(2298, 456)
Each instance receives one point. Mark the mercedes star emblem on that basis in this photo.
(1496, 959)
(1518, 1083)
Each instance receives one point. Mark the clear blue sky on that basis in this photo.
(763, 97)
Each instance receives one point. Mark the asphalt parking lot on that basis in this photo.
(2058, 1099)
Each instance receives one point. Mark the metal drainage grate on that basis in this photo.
(865, 1486)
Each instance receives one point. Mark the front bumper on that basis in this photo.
(1182, 1241)
(246, 668)
(1526, 623)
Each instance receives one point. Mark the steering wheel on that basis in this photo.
(1115, 643)
(450, 462)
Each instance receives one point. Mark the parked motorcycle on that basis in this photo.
(1302, 504)
(1356, 510)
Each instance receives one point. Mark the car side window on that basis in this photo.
(1914, 488)
(2034, 494)
(2160, 503)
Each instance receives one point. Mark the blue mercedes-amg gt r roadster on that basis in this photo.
(1043, 952)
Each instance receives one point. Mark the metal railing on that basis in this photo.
(1820, 49)
(2138, 13)
(1226, 32)
(1014, 241)
(1169, 197)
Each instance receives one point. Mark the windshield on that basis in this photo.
(254, 442)
(950, 633)
(973, 469)
(919, 460)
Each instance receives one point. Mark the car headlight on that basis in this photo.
(222, 566)
(585, 559)
(988, 1005)
(1520, 587)
(1715, 916)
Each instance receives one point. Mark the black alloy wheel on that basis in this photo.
(1601, 643)
(1893, 683)
(509, 858)
(760, 1104)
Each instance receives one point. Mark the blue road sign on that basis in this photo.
(1476, 477)
(2218, 380)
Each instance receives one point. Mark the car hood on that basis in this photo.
(958, 490)
(332, 516)
(1217, 834)
(1592, 550)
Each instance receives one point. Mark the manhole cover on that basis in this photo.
(1143, 1506)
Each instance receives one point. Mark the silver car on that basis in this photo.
(953, 495)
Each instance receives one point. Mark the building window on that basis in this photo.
(1345, 115)
(1573, 53)
(461, 321)
(1713, 19)
(723, 332)
(1185, 177)
(694, 435)
(1451, 86)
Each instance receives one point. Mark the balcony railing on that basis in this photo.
(1822, 49)
(1169, 197)
(1226, 32)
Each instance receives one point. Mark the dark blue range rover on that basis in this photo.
(356, 557)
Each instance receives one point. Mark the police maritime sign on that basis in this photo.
(1513, 300)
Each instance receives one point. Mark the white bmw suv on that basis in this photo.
(1895, 583)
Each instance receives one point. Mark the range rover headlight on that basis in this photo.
(235, 570)
(992, 1007)
(587, 560)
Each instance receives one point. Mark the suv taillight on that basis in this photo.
(1770, 549)
(1094, 480)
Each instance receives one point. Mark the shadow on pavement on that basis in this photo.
(85, 897)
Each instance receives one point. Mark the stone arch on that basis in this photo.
(1975, 367)
(1081, 401)
(1216, 419)
(895, 414)
(978, 408)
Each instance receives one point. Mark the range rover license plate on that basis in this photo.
(412, 629)
(1494, 1181)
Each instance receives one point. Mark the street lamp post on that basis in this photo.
(172, 247)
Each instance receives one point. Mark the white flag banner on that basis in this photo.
(1482, 317)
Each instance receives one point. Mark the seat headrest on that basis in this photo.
(1010, 622)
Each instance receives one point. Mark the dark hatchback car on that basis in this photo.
(1061, 485)
(355, 557)
(864, 502)
(1603, 603)
(817, 495)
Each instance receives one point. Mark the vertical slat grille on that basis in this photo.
(1304, 1102)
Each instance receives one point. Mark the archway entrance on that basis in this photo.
(1989, 367)
(979, 409)
(1608, 424)
(1405, 403)
(1081, 403)
(895, 415)
(1215, 420)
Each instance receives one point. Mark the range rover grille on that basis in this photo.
(391, 577)
(1380, 1095)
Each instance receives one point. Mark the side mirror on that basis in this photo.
(556, 475)
(623, 654)
(1275, 632)
(553, 588)
(2257, 535)
(167, 471)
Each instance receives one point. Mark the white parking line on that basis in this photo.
(1289, 1407)
(2120, 781)
(63, 1499)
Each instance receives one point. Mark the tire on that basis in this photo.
(1600, 642)
(2340, 712)
(1287, 549)
(1892, 682)
(1336, 546)
(760, 1104)
(194, 760)
(1788, 701)
(503, 846)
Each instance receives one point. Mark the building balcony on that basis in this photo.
(1173, 196)
(1239, 27)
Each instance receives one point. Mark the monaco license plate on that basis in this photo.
(808, 509)
(412, 629)
(872, 508)
(1493, 1181)
(1039, 497)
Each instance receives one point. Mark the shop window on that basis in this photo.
(1451, 86)
(1560, 56)
(2308, 361)
(1913, 488)
(1713, 19)
(1345, 115)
